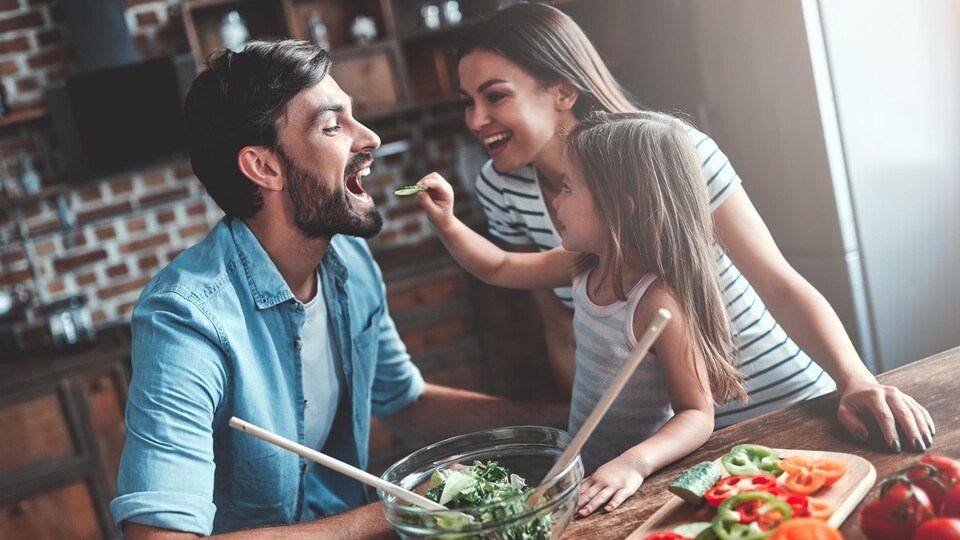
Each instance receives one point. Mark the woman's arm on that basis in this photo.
(810, 321)
(558, 334)
(689, 390)
(483, 258)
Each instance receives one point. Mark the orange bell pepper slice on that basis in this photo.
(833, 469)
(818, 509)
(795, 464)
(806, 529)
(805, 482)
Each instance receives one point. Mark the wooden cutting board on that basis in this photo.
(844, 496)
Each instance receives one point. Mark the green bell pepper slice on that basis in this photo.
(727, 525)
(751, 459)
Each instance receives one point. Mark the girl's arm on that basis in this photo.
(483, 258)
(810, 321)
(692, 423)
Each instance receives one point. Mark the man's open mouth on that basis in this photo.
(354, 187)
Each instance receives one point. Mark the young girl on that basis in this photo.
(527, 75)
(634, 204)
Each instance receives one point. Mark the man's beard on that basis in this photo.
(322, 213)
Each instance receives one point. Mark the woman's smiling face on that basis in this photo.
(509, 110)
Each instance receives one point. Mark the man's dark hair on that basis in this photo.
(237, 102)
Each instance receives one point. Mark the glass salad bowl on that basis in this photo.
(525, 451)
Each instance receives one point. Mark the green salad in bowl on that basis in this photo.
(484, 479)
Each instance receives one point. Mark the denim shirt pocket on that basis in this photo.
(365, 350)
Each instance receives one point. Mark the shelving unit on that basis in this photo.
(407, 67)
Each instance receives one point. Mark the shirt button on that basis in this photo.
(303, 469)
(297, 344)
(306, 404)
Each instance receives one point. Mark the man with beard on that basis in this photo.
(277, 317)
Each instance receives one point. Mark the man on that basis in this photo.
(278, 317)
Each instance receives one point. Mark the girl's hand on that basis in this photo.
(438, 200)
(609, 485)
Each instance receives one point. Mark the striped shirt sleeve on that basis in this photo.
(502, 221)
(718, 172)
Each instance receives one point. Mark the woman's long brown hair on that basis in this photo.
(647, 184)
(546, 43)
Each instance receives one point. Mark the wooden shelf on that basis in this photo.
(428, 33)
(353, 49)
(26, 115)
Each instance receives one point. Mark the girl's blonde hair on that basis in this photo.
(647, 184)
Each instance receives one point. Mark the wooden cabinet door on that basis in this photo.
(105, 394)
(41, 432)
(65, 513)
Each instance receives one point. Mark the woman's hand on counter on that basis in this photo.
(891, 408)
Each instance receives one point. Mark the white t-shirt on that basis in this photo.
(321, 378)
(777, 373)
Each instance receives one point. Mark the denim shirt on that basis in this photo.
(217, 334)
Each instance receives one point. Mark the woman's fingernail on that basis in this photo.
(861, 435)
(933, 430)
(895, 444)
(918, 444)
(927, 439)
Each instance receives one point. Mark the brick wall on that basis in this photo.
(106, 239)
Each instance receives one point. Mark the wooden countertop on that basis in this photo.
(934, 382)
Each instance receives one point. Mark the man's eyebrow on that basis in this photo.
(483, 86)
(323, 109)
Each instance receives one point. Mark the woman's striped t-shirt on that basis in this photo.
(777, 373)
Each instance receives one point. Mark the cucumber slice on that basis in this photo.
(707, 534)
(695, 482)
(409, 190)
(692, 530)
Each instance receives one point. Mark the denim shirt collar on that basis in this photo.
(266, 284)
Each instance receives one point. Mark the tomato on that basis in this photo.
(666, 536)
(950, 507)
(735, 485)
(898, 512)
(805, 482)
(806, 529)
(939, 529)
(935, 475)
(944, 464)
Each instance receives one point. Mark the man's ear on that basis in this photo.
(567, 95)
(262, 166)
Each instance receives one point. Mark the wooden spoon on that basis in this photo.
(335, 464)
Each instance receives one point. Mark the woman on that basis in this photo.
(528, 74)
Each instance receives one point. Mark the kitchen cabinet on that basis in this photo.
(409, 65)
(62, 420)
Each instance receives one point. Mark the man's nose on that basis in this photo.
(366, 140)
